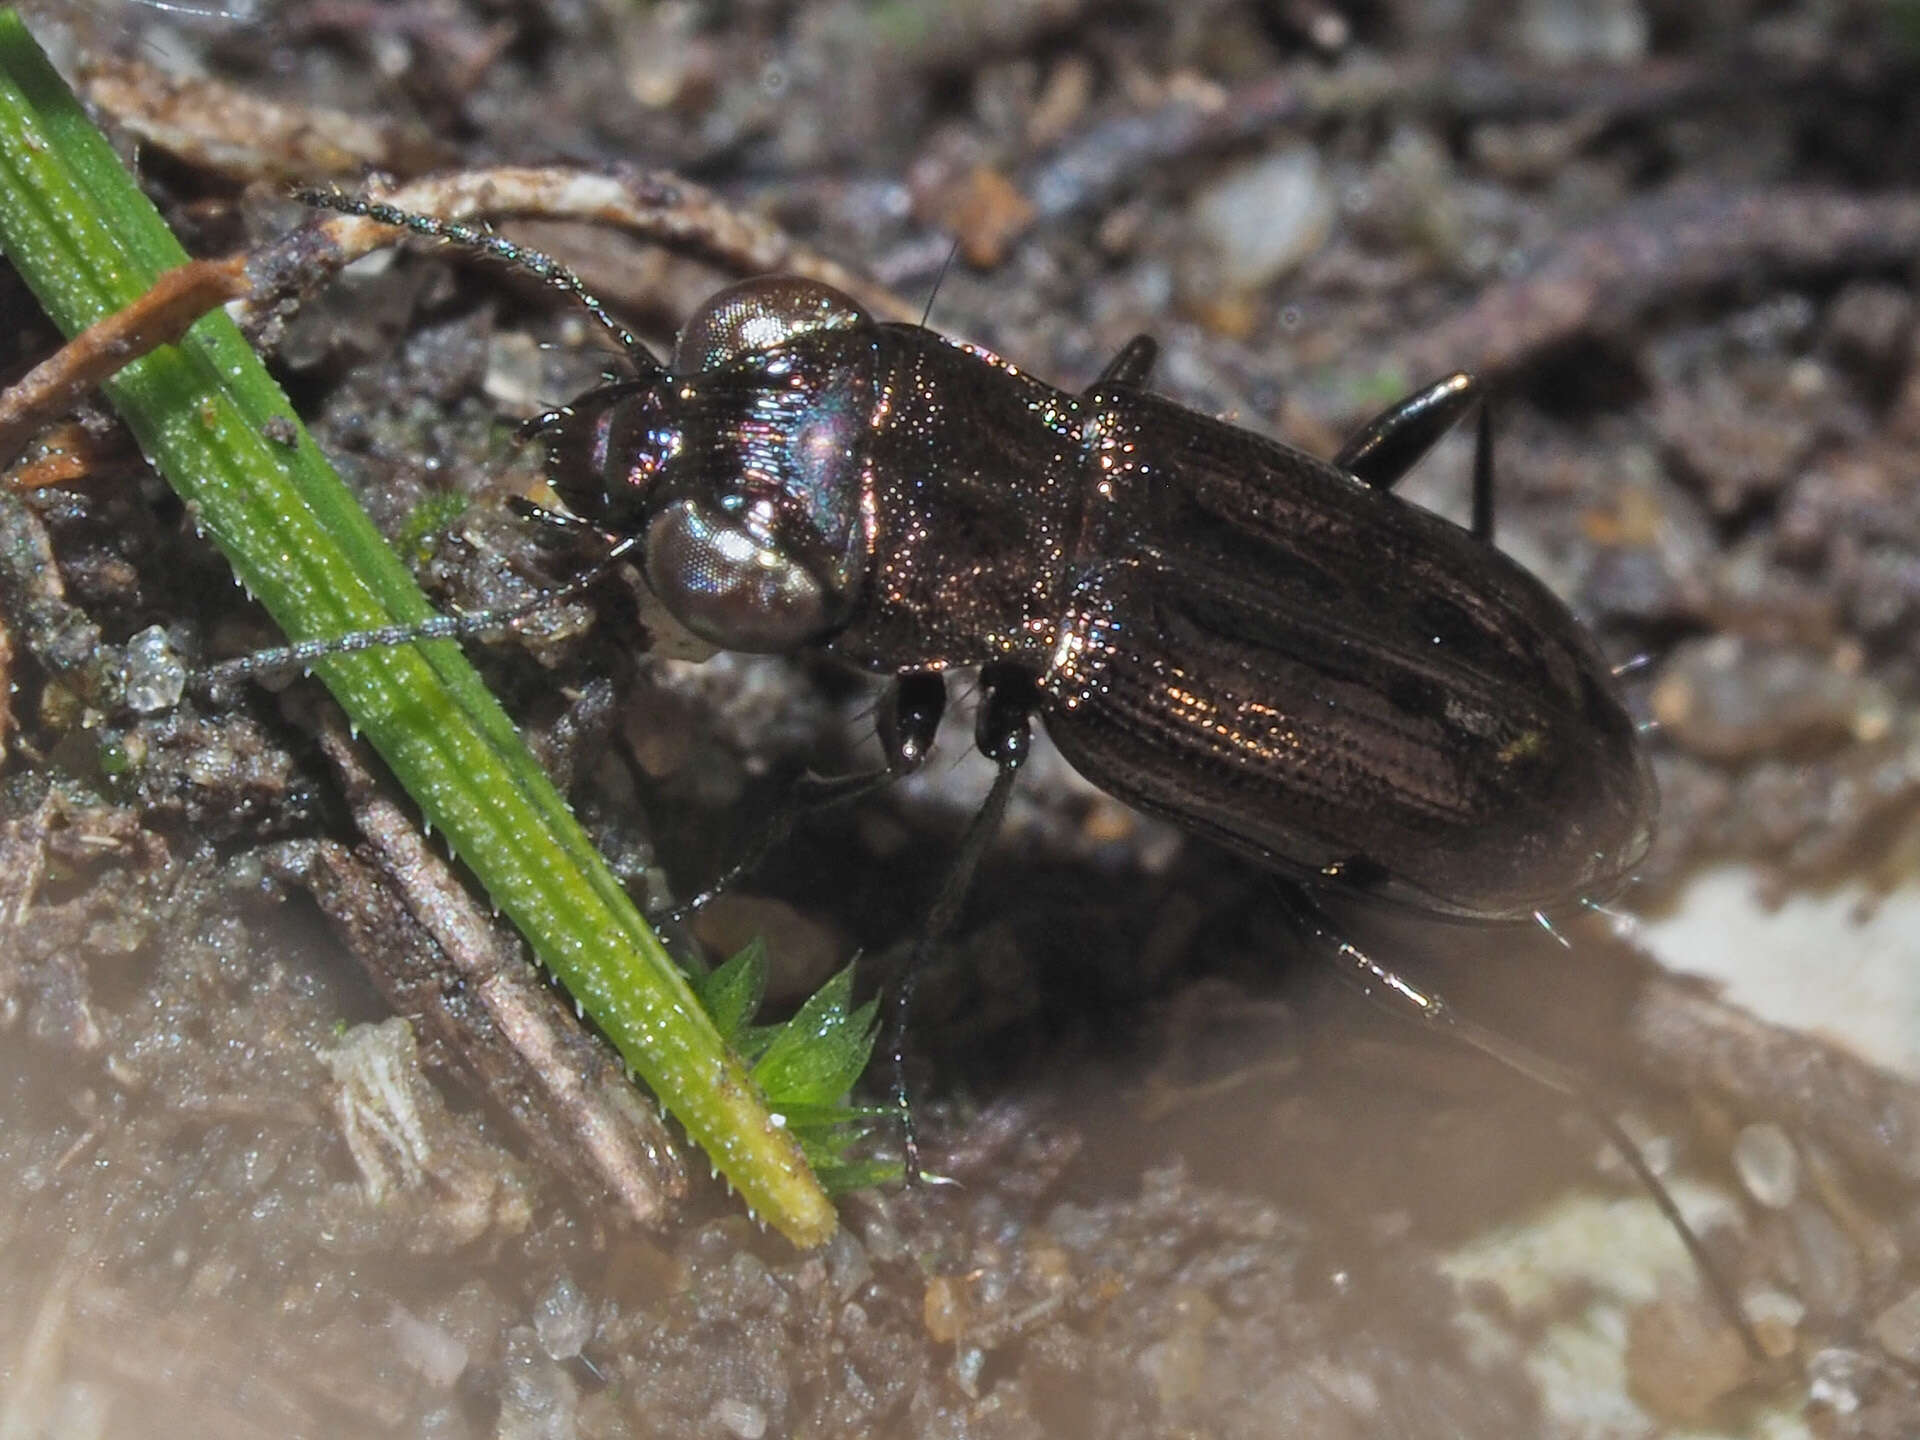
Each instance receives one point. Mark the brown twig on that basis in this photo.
(233, 132)
(653, 205)
(433, 953)
(1674, 247)
(66, 453)
(160, 317)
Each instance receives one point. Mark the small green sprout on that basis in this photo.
(427, 524)
(806, 1066)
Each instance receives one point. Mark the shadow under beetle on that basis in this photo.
(1271, 650)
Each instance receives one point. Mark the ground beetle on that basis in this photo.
(1271, 650)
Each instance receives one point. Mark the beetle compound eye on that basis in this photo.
(758, 315)
(731, 587)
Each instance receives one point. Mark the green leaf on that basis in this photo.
(428, 522)
(818, 1054)
(860, 1175)
(733, 993)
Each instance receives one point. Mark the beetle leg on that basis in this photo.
(805, 796)
(1004, 732)
(1391, 443)
(1394, 992)
(1004, 727)
(909, 716)
(562, 522)
(1132, 365)
(1483, 475)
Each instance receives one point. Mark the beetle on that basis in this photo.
(1272, 650)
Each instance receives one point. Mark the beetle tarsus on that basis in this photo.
(910, 717)
(1003, 728)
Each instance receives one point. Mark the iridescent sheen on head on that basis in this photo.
(743, 468)
(760, 314)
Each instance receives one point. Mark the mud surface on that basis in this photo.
(1202, 1191)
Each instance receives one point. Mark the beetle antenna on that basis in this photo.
(939, 280)
(483, 240)
(304, 653)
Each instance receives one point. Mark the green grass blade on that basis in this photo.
(88, 243)
(815, 1057)
(733, 993)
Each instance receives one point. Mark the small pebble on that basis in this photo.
(1868, 324)
(1682, 1357)
(1830, 1272)
(1260, 220)
(968, 1364)
(538, 1399)
(432, 1351)
(848, 1269)
(1775, 1316)
(1833, 1380)
(740, 1417)
(563, 1321)
(155, 678)
(516, 373)
(943, 1310)
(1580, 32)
(1897, 1328)
(1768, 1165)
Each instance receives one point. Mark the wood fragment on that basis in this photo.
(433, 952)
(159, 317)
(652, 205)
(1674, 247)
(231, 131)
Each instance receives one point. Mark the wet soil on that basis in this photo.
(1201, 1190)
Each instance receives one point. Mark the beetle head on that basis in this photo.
(743, 467)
